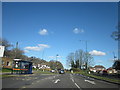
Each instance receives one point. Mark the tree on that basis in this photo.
(16, 53)
(88, 60)
(59, 65)
(55, 64)
(7, 45)
(116, 34)
(77, 59)
(81, 58)
(70, 60)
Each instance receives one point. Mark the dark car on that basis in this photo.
(61, 71)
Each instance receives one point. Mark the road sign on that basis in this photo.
(2, 48)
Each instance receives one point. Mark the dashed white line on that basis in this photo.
(77, 85)
(72, 79)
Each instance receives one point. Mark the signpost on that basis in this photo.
(2, 48)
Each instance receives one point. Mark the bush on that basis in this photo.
(75, 69)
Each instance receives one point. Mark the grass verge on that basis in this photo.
(99, 77)
(6, 70)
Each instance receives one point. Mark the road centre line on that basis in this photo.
(77, 85)
(72, 79)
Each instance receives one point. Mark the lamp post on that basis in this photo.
(56, 61)
(114, 56)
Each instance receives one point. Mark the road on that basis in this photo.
(71, 81)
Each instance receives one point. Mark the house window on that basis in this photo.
(3, 62)
(7, 63)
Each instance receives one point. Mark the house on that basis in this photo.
(111, 71)
(43, 66)
(92, 69)
(97, 68)
(7, 62)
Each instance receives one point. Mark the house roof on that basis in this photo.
(99, 66)
(110, 68)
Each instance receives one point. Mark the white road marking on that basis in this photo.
(77, 85)
(23, 87)
(72, 79)
(92, 82)
(57, 81)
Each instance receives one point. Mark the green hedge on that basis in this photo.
(6, 70)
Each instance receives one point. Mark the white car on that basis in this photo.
(52, 71)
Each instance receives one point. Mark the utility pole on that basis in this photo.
(16, 49)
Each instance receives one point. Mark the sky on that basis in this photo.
(45, 29)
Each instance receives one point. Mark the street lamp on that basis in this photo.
(56, 60)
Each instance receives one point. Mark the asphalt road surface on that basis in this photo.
(56, 81)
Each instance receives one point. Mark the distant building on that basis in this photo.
(41, 66)
(7, 62)
(111, 71)
(44, 67)
(97, 68)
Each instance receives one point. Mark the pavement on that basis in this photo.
(71, 81)
(5, 73)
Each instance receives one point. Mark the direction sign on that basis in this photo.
(2, 48)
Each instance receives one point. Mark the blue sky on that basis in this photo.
(46, 29)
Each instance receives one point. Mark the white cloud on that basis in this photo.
(77, 31)
(26, 51)
(54, 57)
(97, 53)
(44, 45)
(39, 47)
(43, 32)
